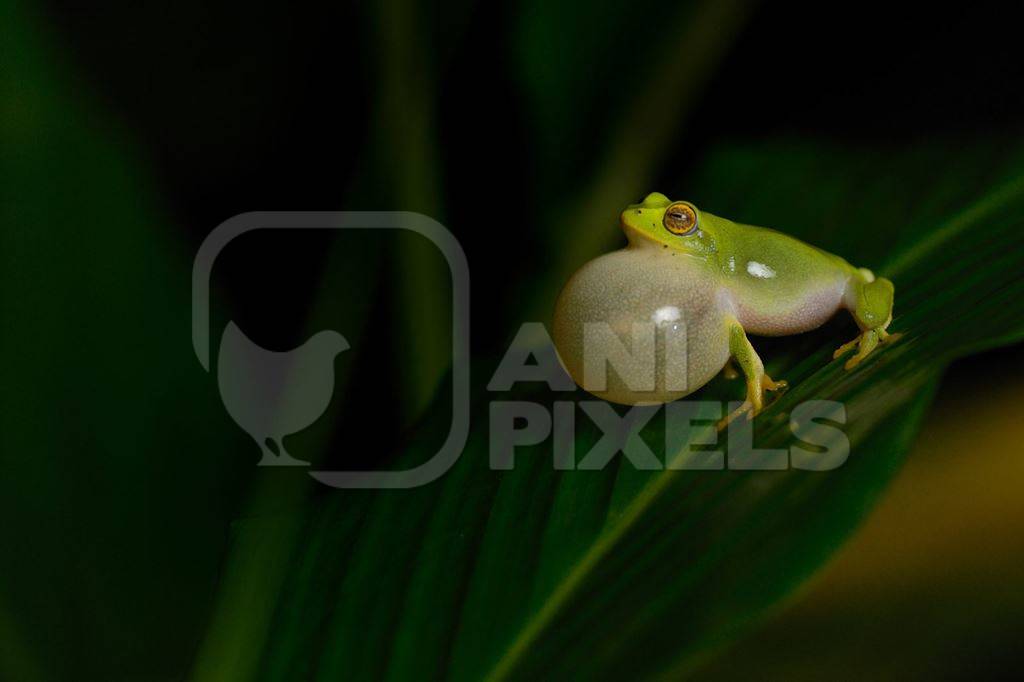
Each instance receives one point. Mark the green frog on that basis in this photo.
(712, 281)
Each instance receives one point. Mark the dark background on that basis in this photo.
(232, 108)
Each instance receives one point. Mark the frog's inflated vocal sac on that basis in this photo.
(688, 272)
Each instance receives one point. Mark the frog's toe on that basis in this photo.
(845, 348)
(886, 337)
(768, 384)
(747, 409)
(867, 342)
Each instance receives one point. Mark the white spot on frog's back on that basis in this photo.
(759, 270)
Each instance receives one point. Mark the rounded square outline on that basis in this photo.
(221, 236)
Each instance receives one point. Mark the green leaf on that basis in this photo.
(536, 572)
(106, 419)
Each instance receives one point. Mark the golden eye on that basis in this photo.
(680, 218)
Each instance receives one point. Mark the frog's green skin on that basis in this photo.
(722, 281)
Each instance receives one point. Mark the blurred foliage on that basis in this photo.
(129, 132)
(114, 455)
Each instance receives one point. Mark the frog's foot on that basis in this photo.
(887, 337)
(845, 348)
(754, 403)
(872, 308)
(729, 371)
(756, 397)
(866, 342)
(747, 408)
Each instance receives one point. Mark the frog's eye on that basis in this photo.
(680, 218)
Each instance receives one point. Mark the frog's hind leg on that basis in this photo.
(871, 304)
(753, 369)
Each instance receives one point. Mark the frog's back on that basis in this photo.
(777, 283)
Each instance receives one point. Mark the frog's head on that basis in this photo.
(662, 223)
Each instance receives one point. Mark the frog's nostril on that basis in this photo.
(655, 200)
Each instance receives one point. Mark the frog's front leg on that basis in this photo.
(870, 300)
(758, 382)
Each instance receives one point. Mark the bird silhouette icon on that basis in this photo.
(274, 394)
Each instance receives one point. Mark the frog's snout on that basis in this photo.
(643, 218)
(630, 219)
